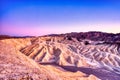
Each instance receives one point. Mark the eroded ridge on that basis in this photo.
(75, 53)
(67, 57)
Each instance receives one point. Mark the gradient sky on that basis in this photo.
(39, 17)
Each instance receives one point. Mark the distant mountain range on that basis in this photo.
(92, 35)
(95, 36)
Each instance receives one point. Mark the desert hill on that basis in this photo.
(71, 56)
(92, 35)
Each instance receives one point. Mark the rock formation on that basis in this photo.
(61, 57)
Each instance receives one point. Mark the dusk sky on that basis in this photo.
(40, 17)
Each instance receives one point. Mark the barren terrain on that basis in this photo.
(61, 57)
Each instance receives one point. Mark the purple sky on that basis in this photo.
(39, 17)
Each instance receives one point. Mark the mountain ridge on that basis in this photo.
(91, 35)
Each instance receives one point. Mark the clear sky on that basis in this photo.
(39, 17)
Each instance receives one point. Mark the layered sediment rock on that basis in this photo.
(61, 57)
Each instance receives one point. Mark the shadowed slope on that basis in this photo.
(101, 73)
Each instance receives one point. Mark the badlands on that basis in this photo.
(70, 56)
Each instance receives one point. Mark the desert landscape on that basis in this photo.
(59, 39)
(70, 56)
